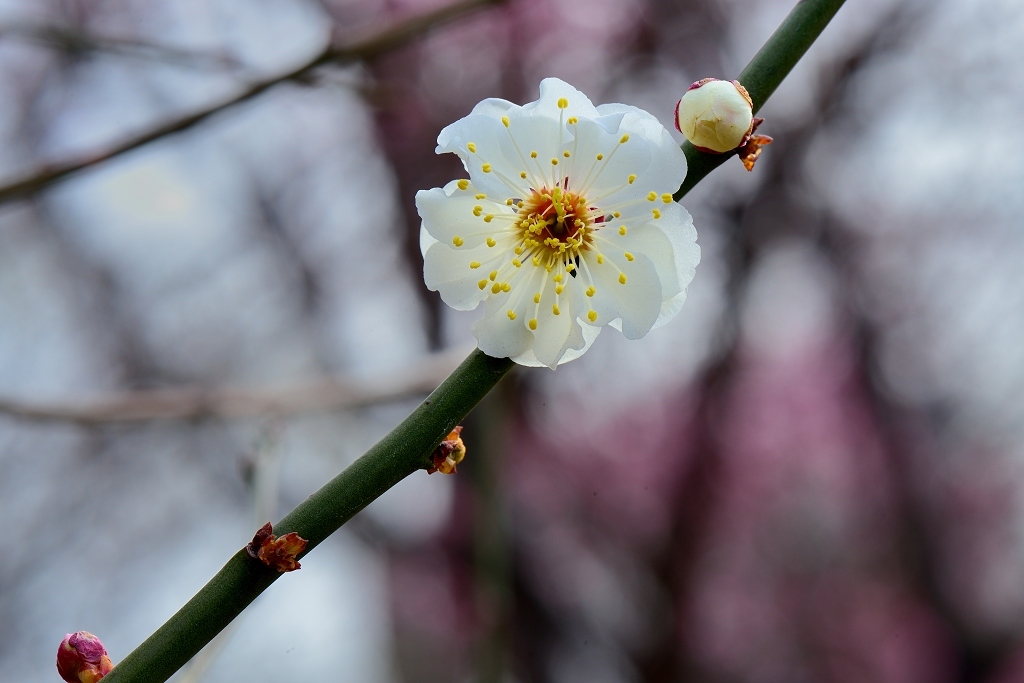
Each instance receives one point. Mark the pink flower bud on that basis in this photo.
(714, 115)
(81, 658)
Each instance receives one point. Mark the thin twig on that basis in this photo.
(376, 45)
(71, 40)
(189, 403)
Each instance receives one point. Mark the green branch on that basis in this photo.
(408, 447)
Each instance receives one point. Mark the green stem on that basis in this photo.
(408, 447)
(242, 579)
(766, 70)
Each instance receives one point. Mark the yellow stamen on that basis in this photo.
(486, 168)
(474, 264)
(622, 278)
(533, 324)
(504, 120)
(493, 275)
(457, 241)
(592, 316)
(667, 198)
(491, 242)
(511, 314)
(624, 139)
(651, 196)
(591, 291)
(622, 229)
(629, 257)
(471, 147)
(562, 103)
(482, 284)
(600, 156)
(463, 184)
(554, 309)
(477, 210)
(632, 177)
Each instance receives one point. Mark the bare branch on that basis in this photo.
(189, 403)
(74, 41)
(372, 47)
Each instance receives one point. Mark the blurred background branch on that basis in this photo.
(364, 49)
(193, 403)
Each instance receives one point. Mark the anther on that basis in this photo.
(522, 174)
(477, 210)
(600, 156)
(482, 284)
(565, 154)
(554, 162)
(667, 198)
(622, 278)
(562, 103)
(533, 324)
(624, 139)
(495, 288)
(592, 316)
(559, 288)
(573, 120)
(656, 213)
(517, 263)
(506, 287)
(491, 242)
(504, 120)
(600, 259)
(511, 314)
(629, 257)
(463, 184)
(554, 309)
(518, 251)
(486, 168)
(493, 275)
(622, 229)
(488, 218)
(651, 196)
(558, 278)
(536, 298)
(457, 241)
(474, 264)
(533, 155)
(480, 196)
(631, 178)
(616, 214)
(471, 147)
(591, 291)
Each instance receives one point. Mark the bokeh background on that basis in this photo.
(815, 473)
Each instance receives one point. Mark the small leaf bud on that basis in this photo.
(448, 453)
(81, 658)
(280, 553)
(714, 115)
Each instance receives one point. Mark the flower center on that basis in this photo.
(556, 221)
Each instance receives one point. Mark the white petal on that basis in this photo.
(495, 107)
(554, 89)
(448, 214)
(499, 335)
(606, 182)
(447, 271)
(529, 358)
(489, 138)
(648, 239)
(637, 303)
(556, 334)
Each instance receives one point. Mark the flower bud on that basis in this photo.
(81, 658)
(715, 115)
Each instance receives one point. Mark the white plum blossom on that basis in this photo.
(565, 224)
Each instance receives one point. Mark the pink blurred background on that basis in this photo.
(815, 473)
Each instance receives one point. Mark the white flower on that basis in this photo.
(715, 115)
(566, 224)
